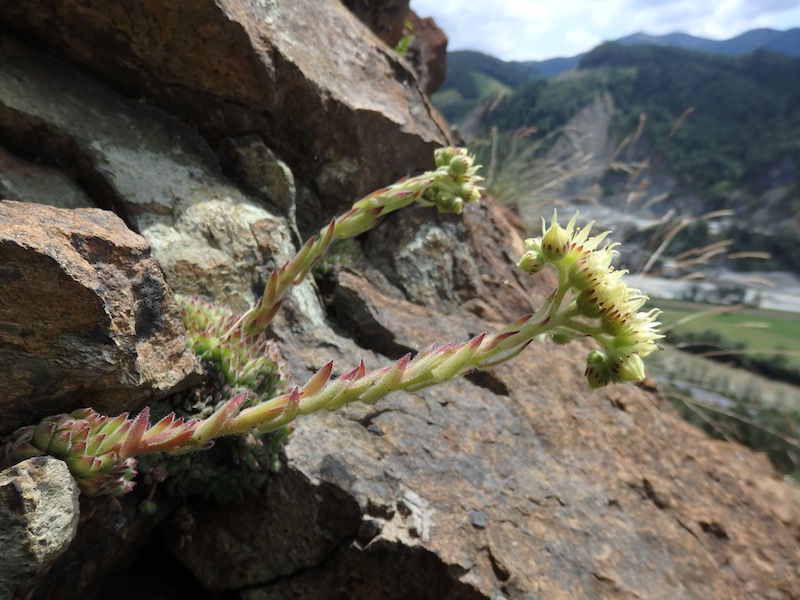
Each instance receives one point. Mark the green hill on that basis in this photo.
(473, 77)
(744, 124)
(737, 147)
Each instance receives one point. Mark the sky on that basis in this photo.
(541, 29)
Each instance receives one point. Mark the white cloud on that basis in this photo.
(538, 29)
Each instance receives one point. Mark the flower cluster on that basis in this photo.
(600, 304)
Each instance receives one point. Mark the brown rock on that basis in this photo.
(513, 484)
(390, 20)
(386, 18)
(428, 52)
(85, 316)
(338, 106)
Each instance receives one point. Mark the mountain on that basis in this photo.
(782, 42)
(473, 76)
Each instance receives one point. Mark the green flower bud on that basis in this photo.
(533, 260)
(443, 156)
(460, 165)
(629, 368)
(597, 372)
(555, 242)
(561, 338)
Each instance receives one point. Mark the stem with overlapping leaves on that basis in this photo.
(591, 299)
(453, 183)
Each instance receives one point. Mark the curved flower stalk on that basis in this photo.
(453, 183)
(591, 299)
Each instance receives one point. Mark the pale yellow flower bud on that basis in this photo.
(593, 267)
(629, 368)
(555, 242)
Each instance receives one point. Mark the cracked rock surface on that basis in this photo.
(523, 486)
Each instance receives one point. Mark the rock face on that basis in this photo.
(206, 126)
(390, 19)
(208, 236)
(38, 519)
(511, 484)
(85, 316)
(305, 76)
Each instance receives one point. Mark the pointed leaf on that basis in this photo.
(387, 383)
(318, 380)
(459, 358)
(135, 434)
(211, 426)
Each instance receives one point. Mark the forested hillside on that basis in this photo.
(745, 119)
(726, 128)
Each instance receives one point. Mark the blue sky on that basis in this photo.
(539, 29)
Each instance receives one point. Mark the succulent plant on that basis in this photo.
(245, 392)
(100, 450)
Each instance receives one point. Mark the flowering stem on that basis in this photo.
(591, 299)
(453, 183)
(431, 366)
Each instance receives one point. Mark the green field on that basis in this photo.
(764, 332)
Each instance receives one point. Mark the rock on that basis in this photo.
(30, 182)
(292, 526)
(390, 20)
(259, 168)
(511, 484)
(38, 519)
(85, 316)
(114, 535)
(338, 106)
(208, 236)
(457, 263)
(428, 52)
(189, 119)
(386, 18)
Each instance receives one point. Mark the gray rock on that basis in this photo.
(29, 182)
(38, 519)
(208, 236)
